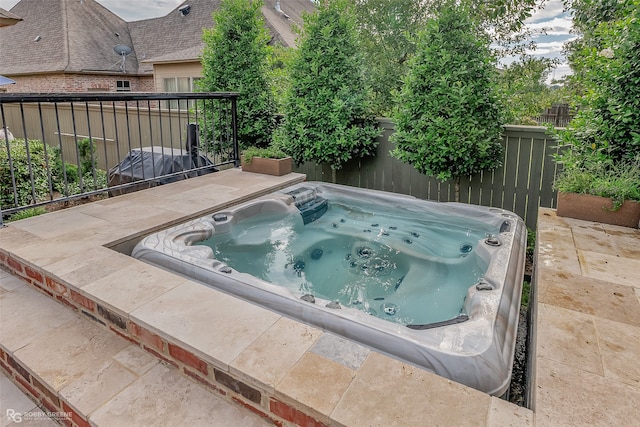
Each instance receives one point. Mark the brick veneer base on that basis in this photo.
(214, 378)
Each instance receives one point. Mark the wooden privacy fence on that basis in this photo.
(522, 184)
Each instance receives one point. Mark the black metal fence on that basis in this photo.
(59, 147)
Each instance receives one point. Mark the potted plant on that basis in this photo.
(600, 192)
(269, 160)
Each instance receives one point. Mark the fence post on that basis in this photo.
(234, 124)
(193, 143)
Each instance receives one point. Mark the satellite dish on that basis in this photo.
(123, 50)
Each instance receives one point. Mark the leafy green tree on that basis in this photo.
(524, 91)
(387, 28)
(384, 31)
(279, 64)
(327, 118)
(606, 61)
(448, 120)
(234, 59)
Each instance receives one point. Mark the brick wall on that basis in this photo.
(77, 83)
(243, 392)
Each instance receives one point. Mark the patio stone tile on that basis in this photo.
(387, 392)
(128, 213)
(568, 337)
(206, 191)
(67, 353)
(163, 397)
(58, 248)
(136, 359)
(206, 320)
(613, 240)
(198, 207)
(506, 414)
(26, 316)
(12, 399)
(594, 238)
(316, 383)
(12, 237)
(90, 266)
(131, 287)
(9, 282)
(569, 396)
(590, 296)
(620, 348)
(556, 250)
(549, 220)
(341, 350)
(97, 386)
(60, 223)
(610, 268)
(274, 353)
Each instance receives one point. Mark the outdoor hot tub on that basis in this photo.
(434, 284)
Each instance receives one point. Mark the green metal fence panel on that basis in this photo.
(522, 184)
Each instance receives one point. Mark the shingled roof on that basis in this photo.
(63, 36)
(73, 36)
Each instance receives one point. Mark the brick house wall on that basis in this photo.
(77, 83)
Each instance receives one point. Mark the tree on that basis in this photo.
(524, 91)
(606, 61)
(234, 59)
(386, 30)
(448, 119)
(327, 118)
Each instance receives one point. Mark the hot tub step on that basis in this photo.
(82, 373)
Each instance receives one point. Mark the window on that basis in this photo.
(179, 84)
(123, 86)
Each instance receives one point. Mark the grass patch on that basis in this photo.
(26, 213)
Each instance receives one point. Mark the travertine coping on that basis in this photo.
(275, 366)
(586, 339)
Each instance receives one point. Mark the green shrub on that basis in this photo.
(235, 60)
(42, 183)
(327, 115)
(619, 181)
(606, 59)
(448, 119)
(267, 152)
(23, 173)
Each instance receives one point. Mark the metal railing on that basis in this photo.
(60, 147)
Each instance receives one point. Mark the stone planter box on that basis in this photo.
(269, 166)
(598, 209)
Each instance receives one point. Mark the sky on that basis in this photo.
(552, 18)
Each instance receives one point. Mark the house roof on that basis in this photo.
(63, 36)
(74, 36)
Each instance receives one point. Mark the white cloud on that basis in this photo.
(550, 47)
(558, 26)
(551, 9)
(135, 11)
(562, 70)
(8, 4)
(126, 9)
